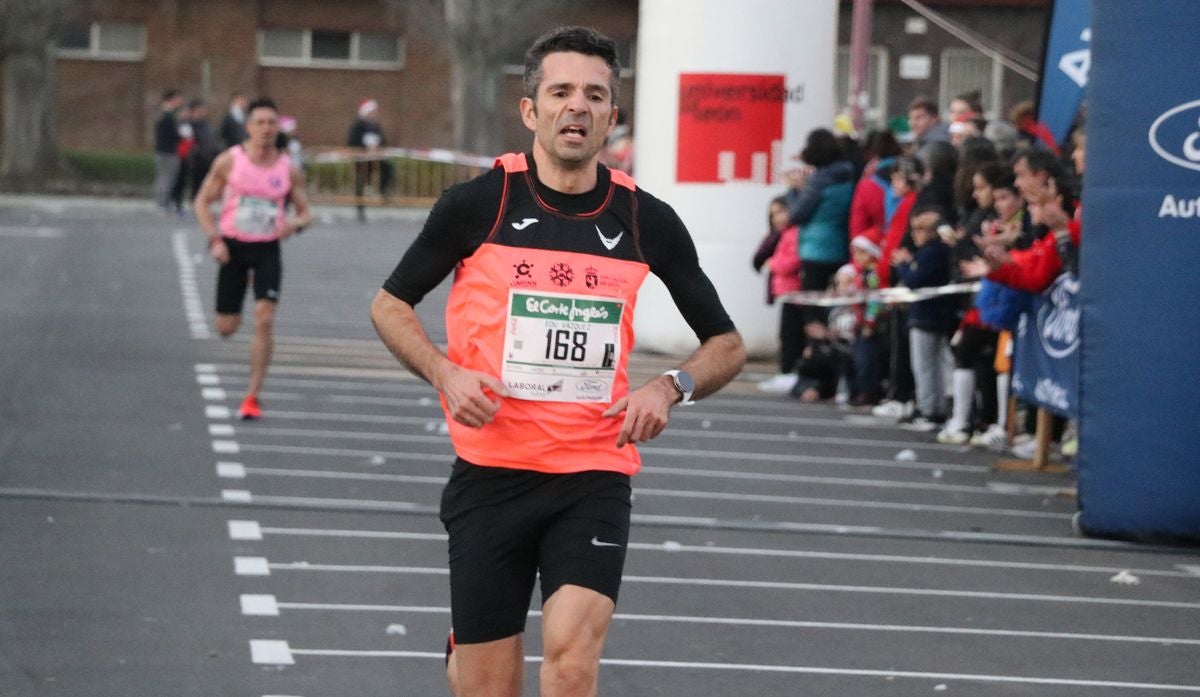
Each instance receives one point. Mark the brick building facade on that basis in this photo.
(319, 59)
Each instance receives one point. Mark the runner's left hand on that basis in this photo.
(647, 411)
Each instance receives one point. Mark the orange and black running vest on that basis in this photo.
(546, 304)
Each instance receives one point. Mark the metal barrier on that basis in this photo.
(386, 176)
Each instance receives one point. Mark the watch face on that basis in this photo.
(685, 382)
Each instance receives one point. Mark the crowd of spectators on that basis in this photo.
(944, 203)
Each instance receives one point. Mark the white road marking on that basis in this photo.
(225, 447)
(207, 379)
(220, 429)
(770, 668)
(236, 496)
(777, 585)
(213, 394)
(259, 605)
(756, 622)
(231, 470)
(350, 476)
(245, 530)
(192, 307)
(761, 552)
(271, 652)
(251, 566)
(205, 368)
(36, 232)
(217, 411)
(850, 503)
(676, 433)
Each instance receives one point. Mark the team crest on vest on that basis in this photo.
(562, 274)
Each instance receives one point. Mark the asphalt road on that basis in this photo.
(152, 545)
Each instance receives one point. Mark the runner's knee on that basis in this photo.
(227, 325)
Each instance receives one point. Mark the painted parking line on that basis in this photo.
(725, 436)
(277, 652)
(259, 563)
(377, 504)
(733, 475)
(675, 548)
(270, 606)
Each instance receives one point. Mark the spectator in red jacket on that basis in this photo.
(869, 203)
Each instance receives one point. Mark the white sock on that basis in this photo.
(1002, 399)
(964, 397)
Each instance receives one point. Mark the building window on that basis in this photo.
(102, 41)
(875, 113)
(514, 63)
(318, 48)
(967, 70)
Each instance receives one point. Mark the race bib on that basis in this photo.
(560, 347)
(256, 216)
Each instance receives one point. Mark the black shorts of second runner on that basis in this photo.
(258, 259)
(509, 526)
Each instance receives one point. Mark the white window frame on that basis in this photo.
(93, 51)
(994, 97)
(305, 60)
(876, 111)
(626, 70)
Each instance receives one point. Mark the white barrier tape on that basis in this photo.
(428, 155)
(889, 296)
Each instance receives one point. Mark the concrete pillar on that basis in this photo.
(726, 93)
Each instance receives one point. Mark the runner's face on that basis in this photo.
(573, 112)
(262, 126)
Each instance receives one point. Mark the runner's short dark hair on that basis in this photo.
(261, 103)
(583, 40)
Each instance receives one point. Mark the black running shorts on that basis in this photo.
(258, 259)
(509, 526)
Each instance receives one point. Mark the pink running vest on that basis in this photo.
(255, 198)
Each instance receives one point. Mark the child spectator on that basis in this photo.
(783, 266)
(868, 360)
(930, 321)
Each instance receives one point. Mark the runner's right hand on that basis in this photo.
(472, 397)
(219, 251)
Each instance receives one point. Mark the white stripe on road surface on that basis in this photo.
(349, 476)
(231, 470)
(259, 605)
(207, 379)
(245, 530)
(37, 232)
(206, 368)
(217, 411)
(270, 605)
(220, 429)
(793, 437)
(225, 447)
(677, 548)
(213, 394)
(770, 585)
(251, 566)
(236, 496)
(274, 652)
(192, 307)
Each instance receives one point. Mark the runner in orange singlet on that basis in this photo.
(549, 249)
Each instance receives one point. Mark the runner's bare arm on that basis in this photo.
(298, 195)
(209, 193)
(466, 391)
(718, 360)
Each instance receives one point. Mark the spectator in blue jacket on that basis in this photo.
(930, 321)
(819, 202)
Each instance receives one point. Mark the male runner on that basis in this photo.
(549, 249)
(255, 182)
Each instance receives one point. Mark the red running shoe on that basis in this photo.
(250, 408)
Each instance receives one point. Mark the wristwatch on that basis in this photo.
(683, 382)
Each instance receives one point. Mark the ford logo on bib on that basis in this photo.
(1175, 135)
